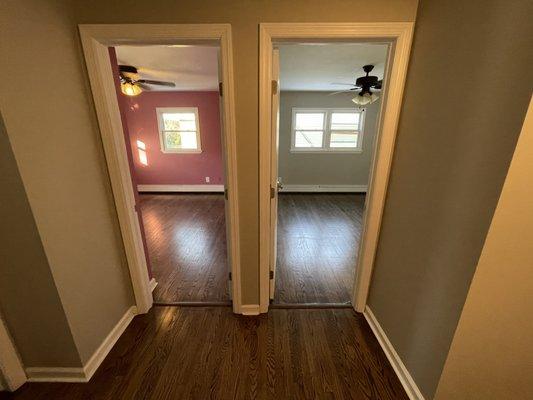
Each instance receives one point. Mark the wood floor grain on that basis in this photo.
(210, 353)
(318, 239)
(186, 238)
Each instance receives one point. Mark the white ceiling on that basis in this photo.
(318, 66)
(189, 67)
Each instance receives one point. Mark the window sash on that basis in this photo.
(327, 131)
(160, 111)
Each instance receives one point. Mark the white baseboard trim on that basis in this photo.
(180, 188)
(250, 309)
(403, 374)
(325, 188)
(152, 284)
(83, 374)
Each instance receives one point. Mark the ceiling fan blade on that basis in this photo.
(341, 91)
(143, 86)
(160, 83)
(128, 69)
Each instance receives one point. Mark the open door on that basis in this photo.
(225, 161)
(275, 183)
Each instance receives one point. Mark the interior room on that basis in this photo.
(169, 102)
(327, 132)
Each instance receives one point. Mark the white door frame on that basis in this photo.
(11, 369)
(95, 40)
(399, 36)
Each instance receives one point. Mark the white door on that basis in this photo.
(225, 159)
(275, 183)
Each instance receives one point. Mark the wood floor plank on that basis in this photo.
(318, 240)
(186, 239)
(210, 353)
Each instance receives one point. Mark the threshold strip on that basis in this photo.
(193, 304)
(309, 305)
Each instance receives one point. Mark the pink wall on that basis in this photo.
(165, 168)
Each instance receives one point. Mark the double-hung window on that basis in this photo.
(327, 130)
(179, 131)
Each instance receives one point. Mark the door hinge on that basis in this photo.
(226, 193)
(274, 87)
(229, 276)
(272, 192)
(271, 274)
(220, 89)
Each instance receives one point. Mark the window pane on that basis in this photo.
(179, 121)
(180, 140)
(345, 121)
(309, 121)
(308, 139)
(346, 140)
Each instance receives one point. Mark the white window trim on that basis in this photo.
(160, 127)
(327, 131)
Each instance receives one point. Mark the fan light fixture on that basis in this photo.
(364, 99)
(130, 89)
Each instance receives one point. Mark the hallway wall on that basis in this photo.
(456, 137)
(491, 353)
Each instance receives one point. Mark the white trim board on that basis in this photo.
(324, 188)
(180, 188)
(250, 309)
(83, 374)
(96, 40)
(153, 284)
(12, 374)
(398, 36)
(403, 374)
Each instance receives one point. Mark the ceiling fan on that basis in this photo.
(131, 86)
(367, 86)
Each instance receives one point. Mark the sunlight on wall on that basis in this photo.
(141, 148)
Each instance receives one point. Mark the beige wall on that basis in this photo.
(468, 88)
(50, 121)
(330, 169)
(491, 356)
(29, 301)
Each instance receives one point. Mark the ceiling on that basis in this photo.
(318, 66)
(189, 67)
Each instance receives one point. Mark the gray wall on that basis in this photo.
(468, 88)
(29, 300)
(50, 120)
(326, 168)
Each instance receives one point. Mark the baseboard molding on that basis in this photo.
(180, 188)
(152, 284)
(403, 374)
(250, 309)
(324, 188)
(83, 374)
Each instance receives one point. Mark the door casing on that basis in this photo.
(95, 40)
(399, 37)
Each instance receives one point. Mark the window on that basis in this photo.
(178, 130)
(327, 130)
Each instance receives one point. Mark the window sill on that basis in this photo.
(181, 151)
(357, 151)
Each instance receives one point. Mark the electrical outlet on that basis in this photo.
(207, 179)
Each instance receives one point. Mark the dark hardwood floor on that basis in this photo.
(186, 238)
(318, 239)
(210, 353)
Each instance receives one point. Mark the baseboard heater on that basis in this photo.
(181, 188)
(324, 188)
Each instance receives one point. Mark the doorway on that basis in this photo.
(344, 230)
(169, 99)
(184, 128)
